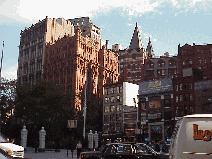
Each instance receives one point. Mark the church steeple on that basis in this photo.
(136, 42)
(149, 50)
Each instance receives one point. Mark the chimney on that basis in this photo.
(106, 44)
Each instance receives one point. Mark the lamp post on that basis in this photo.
(85, 106)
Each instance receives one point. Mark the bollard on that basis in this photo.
(42, 134)
(96, 139)
(90, 140)
(24, 133)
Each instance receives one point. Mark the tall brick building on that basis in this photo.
(131, 60)
(73, 60)
(33, 44)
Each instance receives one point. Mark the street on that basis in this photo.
(31, 154)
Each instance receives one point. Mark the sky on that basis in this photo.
(168, 23)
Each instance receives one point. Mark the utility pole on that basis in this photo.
(1, 59)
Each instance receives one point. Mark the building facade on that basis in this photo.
(203, 97)
(33, 44)
(120, 108)
(158, 68)
(75, 60)
(131, 60)
(155, 109)
(196, 56)
(88, 28)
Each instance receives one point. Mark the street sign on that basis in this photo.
(72, 124)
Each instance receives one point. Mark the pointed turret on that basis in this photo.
(136, 42)
(149, 50)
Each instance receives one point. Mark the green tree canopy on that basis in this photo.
(43, 103)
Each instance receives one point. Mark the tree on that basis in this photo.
(44, 104)
(8, 90)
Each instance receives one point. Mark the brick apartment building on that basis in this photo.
(158, 68)
(196, 56)
(73, 60)
(33, 44)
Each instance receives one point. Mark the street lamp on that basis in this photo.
(85, 106)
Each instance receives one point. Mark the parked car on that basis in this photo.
(108, 152)
(146, 152)
(11, 149)
(163, 147)
(111, 151)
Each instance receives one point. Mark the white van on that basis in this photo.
(13, 150)
(191, 138)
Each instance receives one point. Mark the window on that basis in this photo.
(120, 89)
(184, 62)
(181, 86)
(158, 72)
(176, 98)
(112, 99)
(112, 90)
(185, 86)
(106, 118)
(106, 91)
(199, 61)
(176, 87)
(190, 97)
(186, 97)
(189, 85)
(118, 98)
(107, 109)
(113, 117)
(112, 108)
(190, 61)
(163, 72)
(181, 97)
(119, 107)
(106, 100)
(163, 64)
(203, 60)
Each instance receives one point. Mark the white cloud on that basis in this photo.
(10, 73)
(32, 11)
(147, 36)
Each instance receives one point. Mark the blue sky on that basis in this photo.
(167, 22)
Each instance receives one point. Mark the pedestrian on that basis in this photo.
(79, 149)
(157, 146)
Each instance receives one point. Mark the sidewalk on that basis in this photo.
(31, 154)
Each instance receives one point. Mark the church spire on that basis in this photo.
(149, 50)
(136, 42)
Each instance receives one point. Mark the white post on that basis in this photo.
(24, 133)
(90, 140)
(96, 139)
(42, 134)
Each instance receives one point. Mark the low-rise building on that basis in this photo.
(155, 109)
